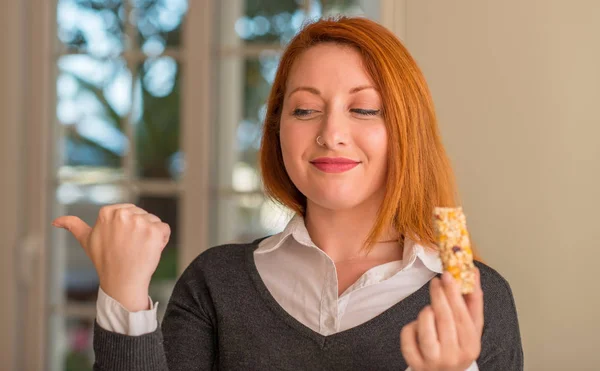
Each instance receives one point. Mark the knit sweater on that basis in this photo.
(221, 316)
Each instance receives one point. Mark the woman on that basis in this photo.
(351, 144)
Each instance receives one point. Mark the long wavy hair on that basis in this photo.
(419, 175)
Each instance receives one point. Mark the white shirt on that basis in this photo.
(303, 280)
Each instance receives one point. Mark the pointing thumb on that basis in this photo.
(78, 228)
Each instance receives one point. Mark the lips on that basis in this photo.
(334, 164)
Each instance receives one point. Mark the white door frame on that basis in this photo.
(11, 72)
(24, 108)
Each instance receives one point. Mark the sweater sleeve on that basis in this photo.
(185, 340)
(501, 341)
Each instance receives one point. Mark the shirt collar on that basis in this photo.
(297, 229)
(428, 256)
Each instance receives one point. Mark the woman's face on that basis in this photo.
(329, 94)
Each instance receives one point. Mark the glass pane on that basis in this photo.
(158, 24)
(156, 119)
(78, 353)
(243, 89)
(80, 281)
(328, 8)
(244, 86)
(259, 21)
(259, 217)
(165, 276)
(91, 26)
(259, 75)
(250, 216)
(93, 97)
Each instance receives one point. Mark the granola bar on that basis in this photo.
(454, 245)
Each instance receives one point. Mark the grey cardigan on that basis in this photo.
(221, 316)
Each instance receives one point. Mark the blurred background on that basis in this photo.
(161, 102)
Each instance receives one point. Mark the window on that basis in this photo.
(118, 89)
(250, 36)
(129, 95)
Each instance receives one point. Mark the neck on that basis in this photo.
(342, 234)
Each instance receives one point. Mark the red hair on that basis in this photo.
(419, 174)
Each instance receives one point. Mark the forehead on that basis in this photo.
(329, 65)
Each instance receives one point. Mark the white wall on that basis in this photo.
(517, 90)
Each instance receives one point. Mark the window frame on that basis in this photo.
(30, 197)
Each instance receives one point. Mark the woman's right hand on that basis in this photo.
(125, 246)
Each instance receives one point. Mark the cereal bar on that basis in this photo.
(454, 245)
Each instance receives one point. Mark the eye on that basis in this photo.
(303, 113)
(365, 112)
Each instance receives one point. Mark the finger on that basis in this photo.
(121, 206)
(427, 334)
(151, 218)
(474, 302)
(107, 212)
(127, 209)
(465, 327)
(444, 318)
(165, 231)
(138, 211)
(78, 228)
(111, 208)
(123, 212)
(410, 347)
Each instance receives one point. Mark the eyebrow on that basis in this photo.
(316, 91)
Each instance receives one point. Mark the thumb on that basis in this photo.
(78, 228)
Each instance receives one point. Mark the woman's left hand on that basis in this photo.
(447, 334)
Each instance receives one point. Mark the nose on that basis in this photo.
(334, 129)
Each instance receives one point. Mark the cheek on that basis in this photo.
(294, 142)
(374, 143)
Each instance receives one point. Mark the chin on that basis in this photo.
(336, 201)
